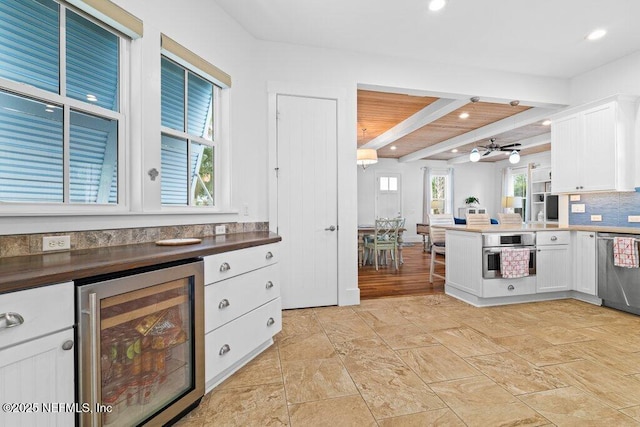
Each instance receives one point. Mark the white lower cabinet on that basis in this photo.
(37, 358)
(585, 262)
(553, 262)
(243, 309)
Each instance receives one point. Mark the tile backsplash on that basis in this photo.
(614, 208)
(31, 244)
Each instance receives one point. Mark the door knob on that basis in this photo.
(331, 228)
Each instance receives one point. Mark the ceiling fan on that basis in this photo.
(514, 157)
(496, 147)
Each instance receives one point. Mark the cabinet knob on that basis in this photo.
(223, 304)
(67, 345)
(270, 321)
(577, 187)
(10, 320)
(510, 287)
(554, 238)
(269, 255)
(224, 350)
(590, 235)
(225, 267)
(269, 285)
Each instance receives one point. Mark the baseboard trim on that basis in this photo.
(518, 299)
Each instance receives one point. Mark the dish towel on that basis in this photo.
(514, 262)
(625, 252)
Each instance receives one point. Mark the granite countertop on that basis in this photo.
(30, 271)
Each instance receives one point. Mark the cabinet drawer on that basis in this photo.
(552, 238)
(509, 287)
(230, 343)
(45, 310)
(231, 298)
(229, 264)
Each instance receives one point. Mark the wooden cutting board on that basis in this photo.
(178, 242)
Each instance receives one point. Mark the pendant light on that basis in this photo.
(514, 157)
(366, 156)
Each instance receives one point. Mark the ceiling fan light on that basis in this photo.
(436, 5)
(474, 156)
(514, 157)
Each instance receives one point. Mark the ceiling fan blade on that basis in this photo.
(517, 144)
(486, 153)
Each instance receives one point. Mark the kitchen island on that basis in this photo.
(473, 272)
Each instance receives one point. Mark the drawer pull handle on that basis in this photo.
(510, 287)
(223, 304)
(9, 320)
(270, 321)
(225, 267)
(554, 238)
(269, 285)
(67, 345)
(269, 255)
(224, 350)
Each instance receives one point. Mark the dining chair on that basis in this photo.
(385, 238)
(509, 218)
(478, 219)
(437, 239)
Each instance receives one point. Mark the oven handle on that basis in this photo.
(497, 250)
(93, 325)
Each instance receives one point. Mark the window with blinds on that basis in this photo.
(188, 136)
(60, 105)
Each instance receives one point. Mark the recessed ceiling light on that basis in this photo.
(597, 34)
(436, 5)
(546, 123)
(455, 150)
(464, 115)
(393, 147)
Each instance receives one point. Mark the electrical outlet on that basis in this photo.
(221, 229)
(577, 208)
(56, 243)
(574, 198)
(245, 209)
(633, 218)
(596, 217)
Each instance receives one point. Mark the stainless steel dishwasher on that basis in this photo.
(618, 287)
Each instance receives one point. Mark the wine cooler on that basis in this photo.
(140, 353)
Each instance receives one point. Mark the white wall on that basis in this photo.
(475, 179)
(621, 76)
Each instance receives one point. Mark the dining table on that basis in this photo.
(365, 230)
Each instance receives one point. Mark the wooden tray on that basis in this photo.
(178, 242)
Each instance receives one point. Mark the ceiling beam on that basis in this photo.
(534, 141)
(516, 121)
(428, 114)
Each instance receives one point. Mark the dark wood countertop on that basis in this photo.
(24, 272)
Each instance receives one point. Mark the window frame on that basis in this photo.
(215, 142)
(446, 200)
(66, 207)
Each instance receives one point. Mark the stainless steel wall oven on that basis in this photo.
(140, 345)
(494, 243)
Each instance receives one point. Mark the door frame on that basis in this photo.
(347, 247)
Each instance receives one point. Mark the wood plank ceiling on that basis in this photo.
(380, 111)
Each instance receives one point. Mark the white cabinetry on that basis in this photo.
(243, 310)
(585, 262)
(36, 355)
(553, 261)
(592, 147)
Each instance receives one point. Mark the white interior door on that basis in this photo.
(388, 195)
(307, 211)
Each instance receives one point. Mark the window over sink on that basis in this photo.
(62, 117)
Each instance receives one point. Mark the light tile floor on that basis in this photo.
(433, 360)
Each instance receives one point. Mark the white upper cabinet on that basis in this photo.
(592, 147)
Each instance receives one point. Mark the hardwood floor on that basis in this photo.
(412, 278)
